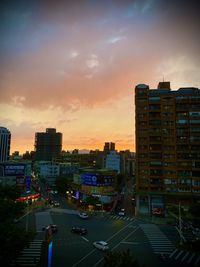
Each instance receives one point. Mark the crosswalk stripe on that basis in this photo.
(173, 253)
(190, 259)
(197, 260)
(179, 254)
(157, 239)
(185, 256)
(159, 246)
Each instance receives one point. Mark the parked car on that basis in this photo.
(102, 245)
(78, 230)
(83, 215)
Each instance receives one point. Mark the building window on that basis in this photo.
(155, 155)
(182, 121)
(194, 114)
(154, 138)
(154, 107)
(194, 122)
(155, 163)
(155, 147)
(196, 182)
(155, 122)
(154, 99)
(196, 174)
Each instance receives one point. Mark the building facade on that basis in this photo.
(167, 146)
(48, 145)
(108, 147)
(97, 183)
(113, 161)
(5, 137)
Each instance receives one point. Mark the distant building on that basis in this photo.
(127, 163)
(113, 161)
(109, 147)
(48, 145)
(48, 171)
(167, 146)
(5, 138)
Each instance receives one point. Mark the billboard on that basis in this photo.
(96, 179)
(14, 169)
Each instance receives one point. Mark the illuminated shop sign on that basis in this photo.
(89, 179)
(28, 183)
(12, 170)
(96, 179)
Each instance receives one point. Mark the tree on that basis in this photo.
(62, 184)
(12, 237)
(120, 259)
(90, 200)
(194, 210)
(119, 182)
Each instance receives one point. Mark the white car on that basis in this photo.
(102, 245)
(56, 204)
(121, 212)
(83, 215)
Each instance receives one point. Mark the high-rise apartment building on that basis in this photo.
(167, 146)
(5, 137)
(109, 147)
(48, 145)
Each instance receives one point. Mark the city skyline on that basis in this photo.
(74, 67)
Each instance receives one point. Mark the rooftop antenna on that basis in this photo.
(163, 78)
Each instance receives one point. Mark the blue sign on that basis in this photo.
(28, 183)
(14, 169)
(89, 179)
(96, 179)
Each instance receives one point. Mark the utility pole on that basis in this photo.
(27, 219)
(180, 224)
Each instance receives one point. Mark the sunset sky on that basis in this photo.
(73, 65)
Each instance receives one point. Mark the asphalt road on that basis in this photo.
(146, 241)
(121, 234)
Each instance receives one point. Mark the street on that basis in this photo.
(145, 240)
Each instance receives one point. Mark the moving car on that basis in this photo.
(121, 212)
(83, 215)
(56, 204)
(102, 245)
(54, 228)
(78, 230)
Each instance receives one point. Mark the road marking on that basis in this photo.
(77, 263)
(117, 245)
(132, 226)
(131, 243)
(196, 262)
(84, 238)
(186, 254)
(190, 259)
